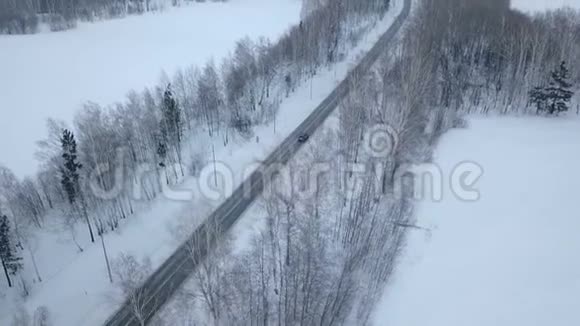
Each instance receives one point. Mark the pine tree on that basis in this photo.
(539, 98)
(557, 95)
(559, 91)
(70, 175)
(172, 124)
(172, 117)
(10, 261)
(70, 169)
(162, 153)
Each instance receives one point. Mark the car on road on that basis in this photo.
(303, 138)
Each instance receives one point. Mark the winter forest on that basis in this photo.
(26, 17)
(155, 127)
(322, 258)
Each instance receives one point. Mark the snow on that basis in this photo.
(510, 258)
(76, 290)
(293, 111)
(53, 74)
(543, 5)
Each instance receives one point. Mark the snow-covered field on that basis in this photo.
(513, 256)
(76, 289)
(52, 74)
(541, 5)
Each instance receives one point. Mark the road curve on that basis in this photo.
(169, 277)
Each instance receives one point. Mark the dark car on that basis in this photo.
(303, 138)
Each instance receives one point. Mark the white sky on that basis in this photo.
(539, 5)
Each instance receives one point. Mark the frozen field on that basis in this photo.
(509, 258)
(52, 74)
(540, 5)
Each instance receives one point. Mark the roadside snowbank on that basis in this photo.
(542, 5)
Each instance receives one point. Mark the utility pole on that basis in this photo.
(101, 231)
(214, 165)
(311, 85)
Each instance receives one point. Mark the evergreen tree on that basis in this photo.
(70, 169)
(171, 123)
(10, 261)
(556, 97)
(162, 153)
(70, 175)
(539, 97)
(559, 91)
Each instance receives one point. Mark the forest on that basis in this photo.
(148, 135)
(27, 16)
(455, 57)
(326, 252)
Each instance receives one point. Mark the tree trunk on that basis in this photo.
(86, 216)
(7, 274)
(74, 238)
(90, 227)
(24, 287)
(34, 264)
(106, 258)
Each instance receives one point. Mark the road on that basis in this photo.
(166, 280)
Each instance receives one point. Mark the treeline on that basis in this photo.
(482, 58)
(96, 172)
(476, 56)
(26, 16)
(324, 257)
(330, 240)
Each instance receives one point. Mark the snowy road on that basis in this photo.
(171, 275)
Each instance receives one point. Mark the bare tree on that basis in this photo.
(42, 317)
(131, 274)
(20, 317)
(210, 97)
(209, 274)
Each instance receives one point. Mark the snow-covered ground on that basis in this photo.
(75, 288)
(513, 256)
(178, 311)
(541, 5)
(52, 74)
